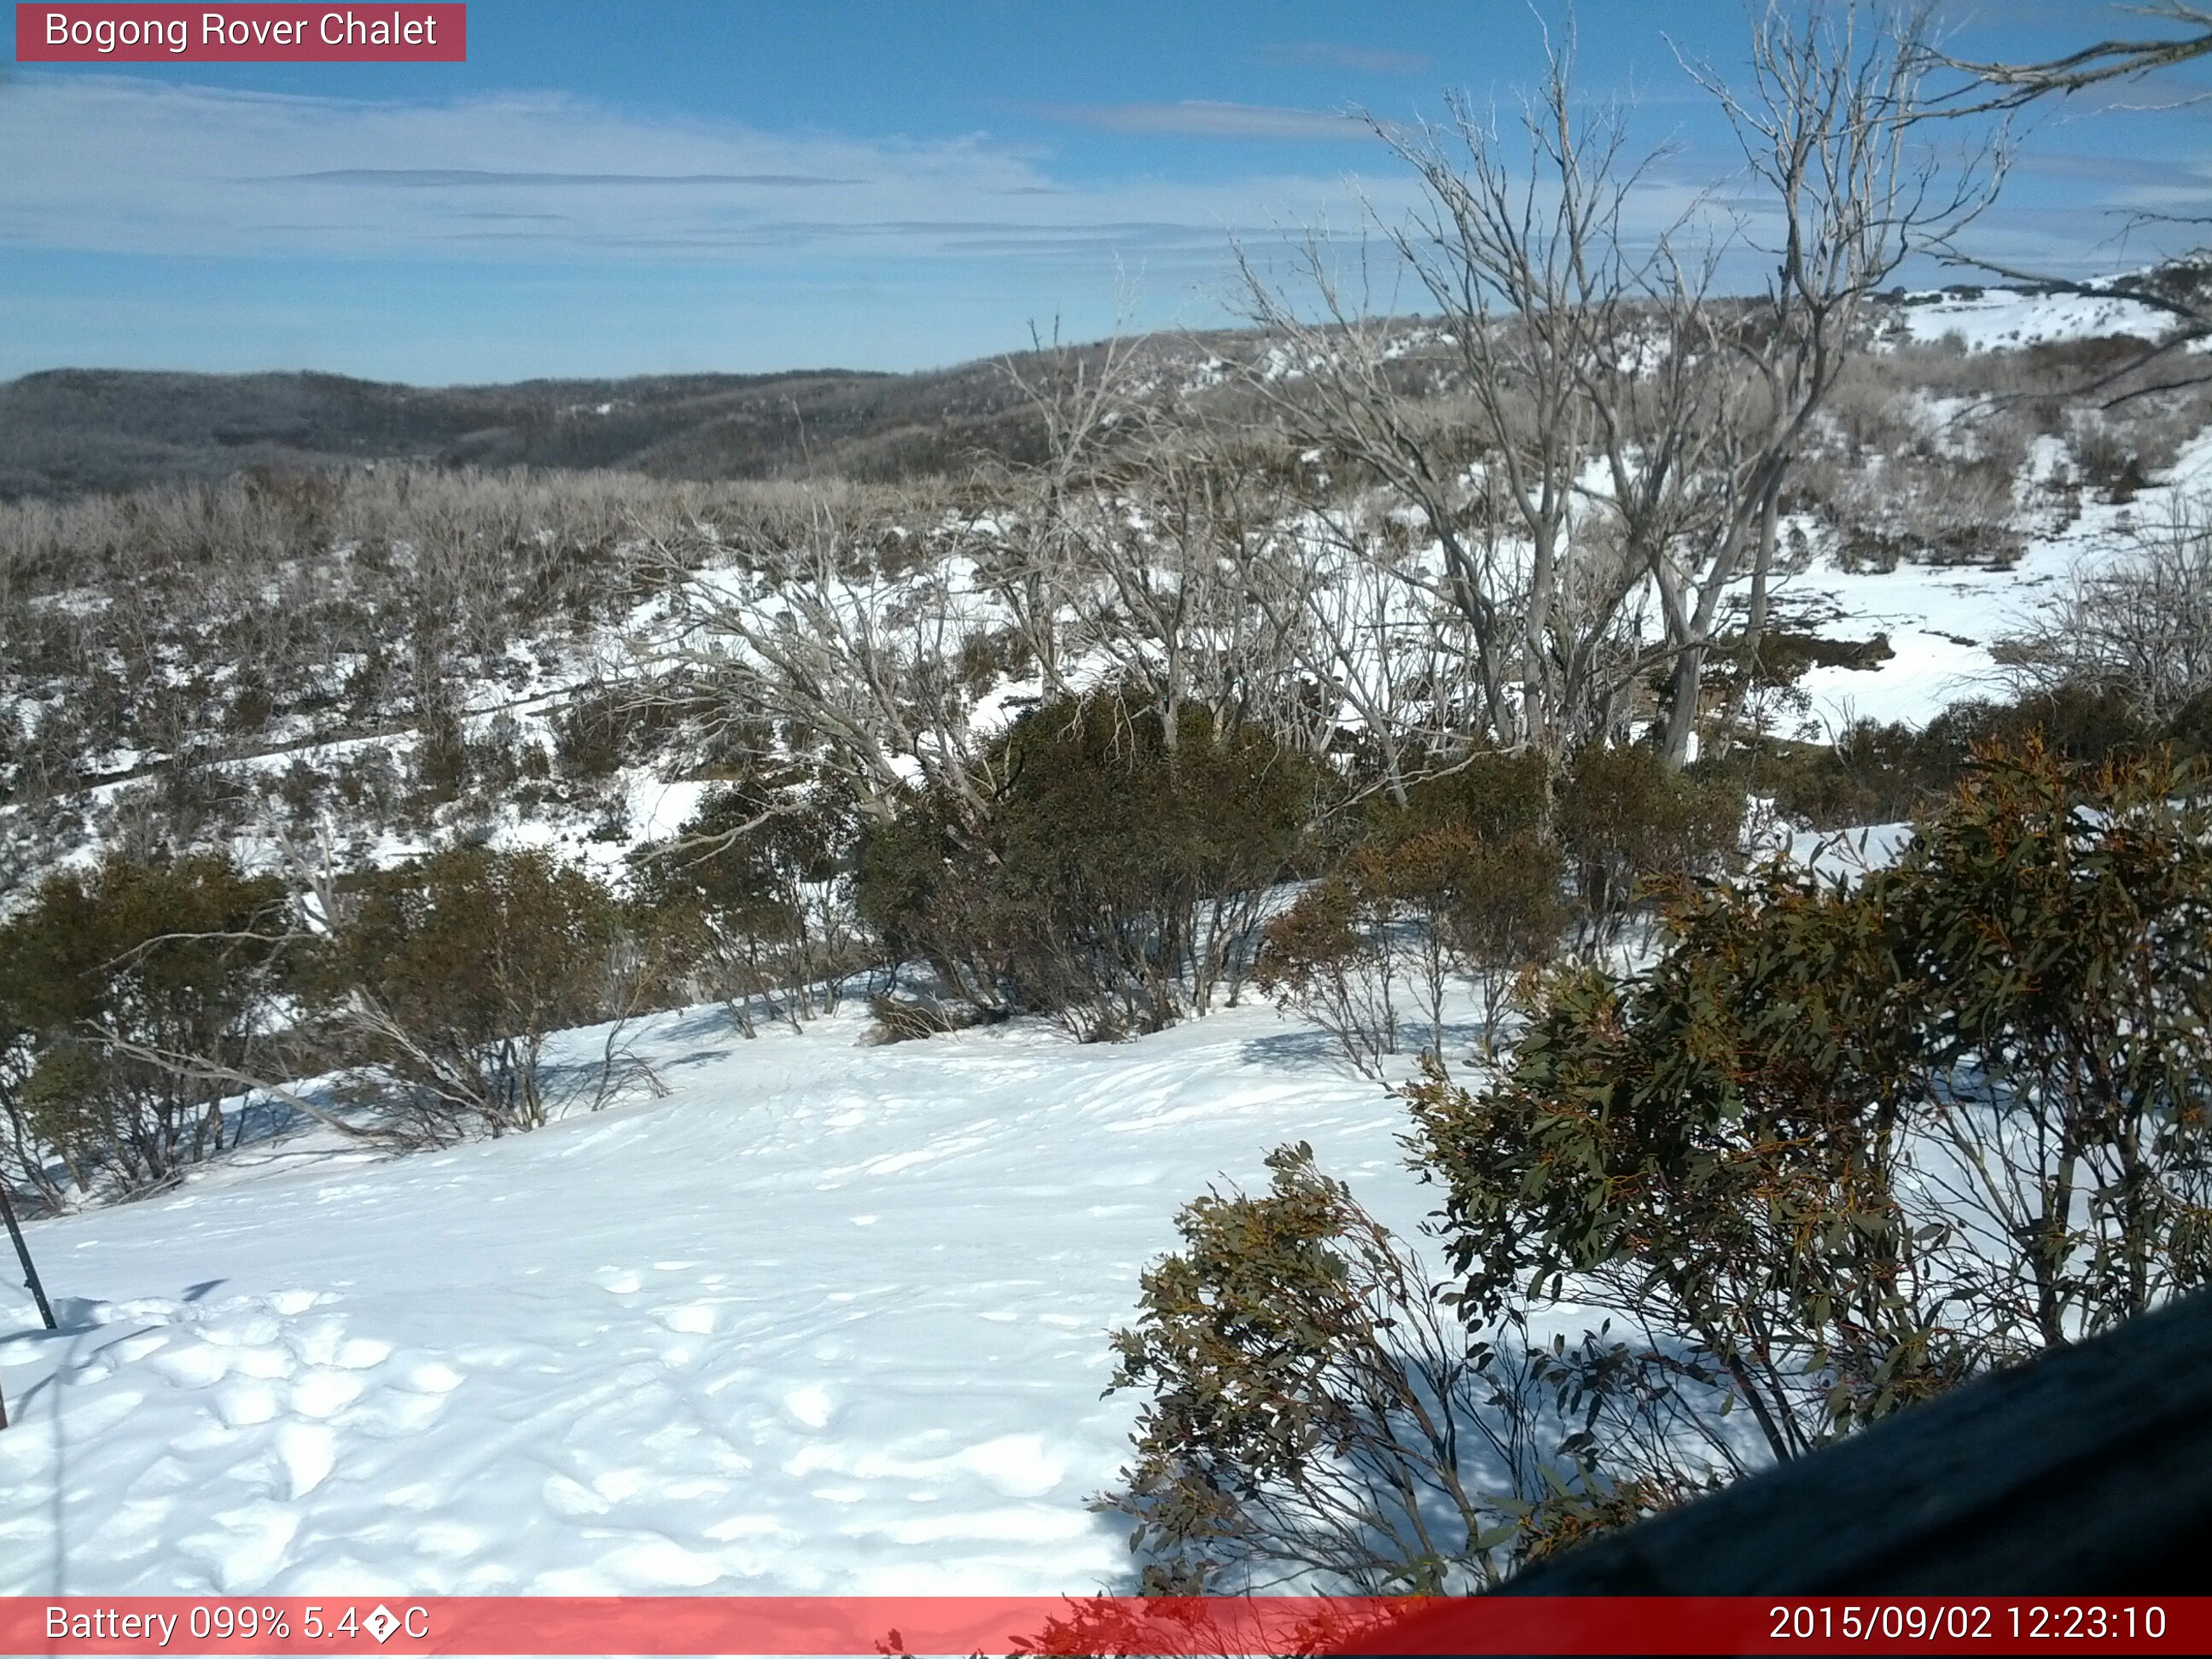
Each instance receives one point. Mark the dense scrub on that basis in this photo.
(124, 992)
(1111, 880)
(752, 904)
(433, 648)
(154, 1011)
(1873, 772)
(1842, 1144)
(1486, 870)
(438, 984)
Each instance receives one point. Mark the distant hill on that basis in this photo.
(65, 431)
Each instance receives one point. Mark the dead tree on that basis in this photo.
(1380, 649)
(2002, 87)
(31, 1280)
(1169, 554)
(1153, 545)
(1028, 535)
(813, 639)
(1834, 121)
(2011, 86)
(2139, 628)
(1525, 246)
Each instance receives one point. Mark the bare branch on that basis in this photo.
(2109, 60)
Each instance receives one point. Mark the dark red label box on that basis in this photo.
(259, 33)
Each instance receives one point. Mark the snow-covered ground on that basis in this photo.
(1998, 318)
(1941, 620)
(829, 1318)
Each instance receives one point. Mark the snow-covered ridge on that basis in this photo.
(2006, 319)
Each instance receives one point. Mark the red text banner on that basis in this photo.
(167, 33)
(1037, 1626)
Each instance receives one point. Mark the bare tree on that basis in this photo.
(1582, 337)
(1835, 123)
(822, 644)
(2141, 628)
(1144, 546)
(2009, 86)
(1170, 554)
(2002, 87)
(1511, 247)
(1028, 533)
(1380, 650)
(1573, 333)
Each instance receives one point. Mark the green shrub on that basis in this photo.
(1626, 823)
(1335, 958)
(113, 982)
(1317, 1407)
(441, 981)
(925, 890)
(1406, 914)
(1841, 1144)
(1491, 796)
(1507, 915)
(1877, 773)
(754, 894)
(1116, 882)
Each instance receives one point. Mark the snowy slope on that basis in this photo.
(829, 1318)
(1941, 620)
(1996, 319)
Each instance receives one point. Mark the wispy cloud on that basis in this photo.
(115, 164)
(1200, 118)
(1330, 54)
(440, 178)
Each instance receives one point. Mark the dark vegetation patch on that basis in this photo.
(1878, 772)
(63, 432)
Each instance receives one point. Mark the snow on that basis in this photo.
(1849, 852)
(1941, 620)
(1997, 319)
(827, 1319)
(659, 810)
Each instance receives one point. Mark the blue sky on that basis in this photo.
(687, 185)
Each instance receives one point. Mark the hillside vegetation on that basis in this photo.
(63, 432)
(1463, 713)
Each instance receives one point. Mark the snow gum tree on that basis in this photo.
(1846, 1142)
(1583, 422)
(1839, 120)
